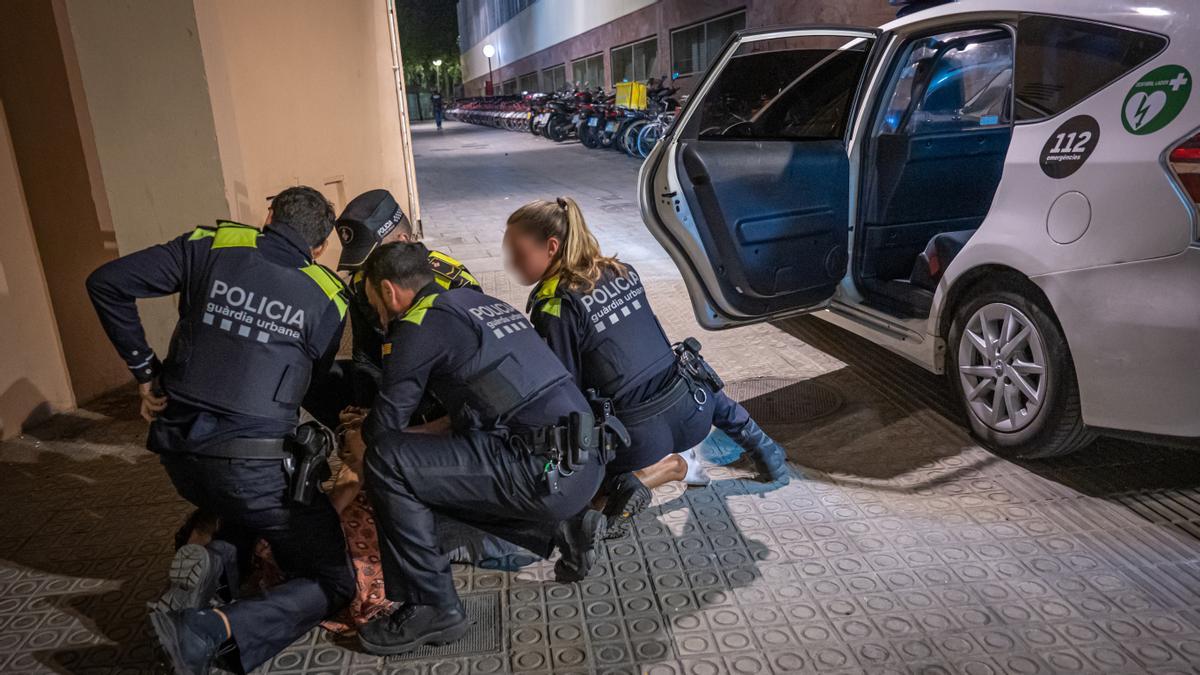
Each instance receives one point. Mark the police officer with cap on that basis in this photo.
(369, 221)
(258, 321)
(523, 456)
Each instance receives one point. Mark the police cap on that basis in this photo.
(368, 218)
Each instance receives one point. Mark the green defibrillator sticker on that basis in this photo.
(1156, 100)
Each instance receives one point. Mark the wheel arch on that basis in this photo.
(969, 282)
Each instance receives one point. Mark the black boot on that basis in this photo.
(627, 497)
(769, 457)
(195, 578)
(411, 626)
(577, 540)
(189, 639)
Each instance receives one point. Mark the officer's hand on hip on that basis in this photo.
(153, 400)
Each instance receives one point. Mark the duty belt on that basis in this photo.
(681, 385)
(247, 448)
(304, 453)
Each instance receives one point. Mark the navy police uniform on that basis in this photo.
(368, 336)
(481, 359)
(259, 321)
(611, 342)
(367, 220)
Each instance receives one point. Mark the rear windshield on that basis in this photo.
(1060, 61)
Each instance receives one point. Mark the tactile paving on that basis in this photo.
(900, 546)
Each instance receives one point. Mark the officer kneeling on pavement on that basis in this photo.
(369, 221)
(258, 321)
(523, 457)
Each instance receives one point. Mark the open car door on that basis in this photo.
(750, 191)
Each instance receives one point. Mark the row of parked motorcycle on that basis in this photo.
(590, 116)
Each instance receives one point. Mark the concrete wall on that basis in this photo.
(664, 16)
(302, 93)
(53, 153)
(145, 98)
(33, 373)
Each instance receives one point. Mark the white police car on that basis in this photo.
(1003, 190)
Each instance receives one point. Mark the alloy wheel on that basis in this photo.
(1002, 367)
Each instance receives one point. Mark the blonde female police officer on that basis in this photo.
(593, 312)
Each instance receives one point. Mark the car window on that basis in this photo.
(1060, 62)
(796, 88)
(952, 82)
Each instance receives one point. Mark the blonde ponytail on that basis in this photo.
(579, 262)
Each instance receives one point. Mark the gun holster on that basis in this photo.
(693, 366)
(612, 431)
(307, 465)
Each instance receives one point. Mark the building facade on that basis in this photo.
(546, 45)
(125, 124)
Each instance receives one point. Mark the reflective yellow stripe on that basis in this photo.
(201, 233)
(416, 313)
(232, 235)
(548, 288)
(553, 307)
(468, 277)
(444, 258)
(330, 284)
(460, 273)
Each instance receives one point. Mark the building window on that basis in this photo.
(555, 79)
(588, 72)
(694, 48)
(528, 83)
(509, 87)
(635, 62)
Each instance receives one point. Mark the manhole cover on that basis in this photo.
(483, 636)
(781, 400)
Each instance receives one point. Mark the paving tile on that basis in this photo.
(905, 548)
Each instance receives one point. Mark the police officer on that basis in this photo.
(594, 313)
(369, 221)
(258, 320)
(521, 459)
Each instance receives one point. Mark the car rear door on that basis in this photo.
(750, 191)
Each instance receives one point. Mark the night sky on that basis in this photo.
(428, 30)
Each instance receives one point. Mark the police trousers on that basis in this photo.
(475, 478)
(680, 427)
(250, 497)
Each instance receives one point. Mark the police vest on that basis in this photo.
(623, 345)
(242, 343)
(368, 338)
(512, 367)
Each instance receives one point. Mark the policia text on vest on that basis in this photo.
(259, 322)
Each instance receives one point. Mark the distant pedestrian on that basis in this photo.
(437, 109)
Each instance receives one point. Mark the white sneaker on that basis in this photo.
(697, 475)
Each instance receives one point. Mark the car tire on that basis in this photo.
(1049, 424)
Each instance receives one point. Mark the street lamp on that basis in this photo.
(489, 51)
(437, 65)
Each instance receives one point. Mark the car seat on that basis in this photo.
(931, 264)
